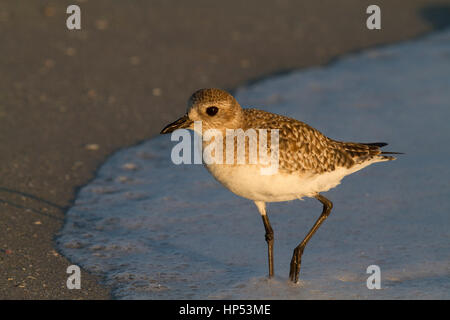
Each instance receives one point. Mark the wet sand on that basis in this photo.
(69, 99)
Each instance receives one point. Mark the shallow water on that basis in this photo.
(154, 230)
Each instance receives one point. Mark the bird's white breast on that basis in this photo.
(247, 181)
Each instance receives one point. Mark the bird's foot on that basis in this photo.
(295, 264)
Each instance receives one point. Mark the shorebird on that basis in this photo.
(309, 163)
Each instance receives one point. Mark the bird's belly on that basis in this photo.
(248, 182)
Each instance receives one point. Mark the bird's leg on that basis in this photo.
(269, 240)
(298, 251)
(269, 233)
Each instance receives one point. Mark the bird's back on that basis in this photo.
(305, 149)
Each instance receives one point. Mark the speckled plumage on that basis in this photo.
(308, 161)
(302, 148)
(305, 149)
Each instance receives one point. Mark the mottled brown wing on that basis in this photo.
(302, 148)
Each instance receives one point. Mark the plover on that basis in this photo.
(309, 162)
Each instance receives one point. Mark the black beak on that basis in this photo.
(182, 123)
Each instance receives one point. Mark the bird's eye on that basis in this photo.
(211, 111)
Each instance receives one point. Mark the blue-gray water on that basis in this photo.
(159, 231)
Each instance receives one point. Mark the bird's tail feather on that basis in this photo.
(365, 151)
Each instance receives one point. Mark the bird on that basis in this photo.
(308, 162)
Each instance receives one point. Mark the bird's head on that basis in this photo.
(215, 108)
